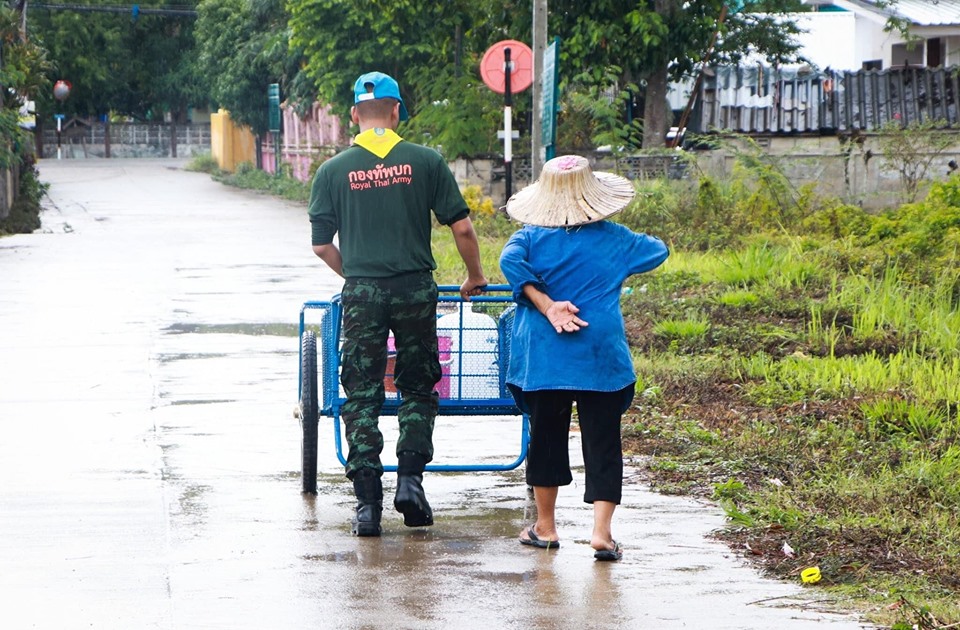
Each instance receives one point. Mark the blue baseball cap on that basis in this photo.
(383, 87)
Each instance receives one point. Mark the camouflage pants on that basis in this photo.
(372, 307)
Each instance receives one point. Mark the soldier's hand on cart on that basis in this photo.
(473, 287)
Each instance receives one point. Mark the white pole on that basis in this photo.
(537, 152)
(507, 134)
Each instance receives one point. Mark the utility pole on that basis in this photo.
(22, 8)
(539, 45)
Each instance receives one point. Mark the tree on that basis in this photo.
(433, 49)
(243, 48)
(131, 64)
(165, 77)
(23, 65)
(661, 40)
(84, 49)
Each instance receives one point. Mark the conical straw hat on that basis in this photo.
(568, 193)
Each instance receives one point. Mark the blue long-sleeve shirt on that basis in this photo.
(585, 265)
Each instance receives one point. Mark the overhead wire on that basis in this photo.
(134, 9)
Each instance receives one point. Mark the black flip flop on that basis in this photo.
(609, 555)
(534, 541)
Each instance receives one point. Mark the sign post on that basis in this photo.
(507, 122)
(550, 91)
(273, 97)
(59, 118)
(61, 90)
(506, 68)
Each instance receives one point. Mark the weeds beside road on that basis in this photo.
(798, 362)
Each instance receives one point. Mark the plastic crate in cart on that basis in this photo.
(474, 343)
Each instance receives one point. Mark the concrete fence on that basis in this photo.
(851, 169)
(82, 138)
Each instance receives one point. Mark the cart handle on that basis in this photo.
(488, 292)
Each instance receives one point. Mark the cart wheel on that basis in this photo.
(309, 417)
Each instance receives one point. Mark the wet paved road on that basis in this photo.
(149, 456)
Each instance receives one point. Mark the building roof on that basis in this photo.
(918, 12)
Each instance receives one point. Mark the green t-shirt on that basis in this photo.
(381, 206)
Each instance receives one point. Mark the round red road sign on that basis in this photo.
(492, 70)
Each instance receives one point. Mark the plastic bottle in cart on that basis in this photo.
(473, 371)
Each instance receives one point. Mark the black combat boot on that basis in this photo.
(411, 500)
(369, 491)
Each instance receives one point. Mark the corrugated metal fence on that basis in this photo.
(763, 100)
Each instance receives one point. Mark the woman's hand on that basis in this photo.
(563, 317)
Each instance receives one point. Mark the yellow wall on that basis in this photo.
(230, 144)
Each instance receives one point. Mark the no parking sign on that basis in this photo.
(507, 67)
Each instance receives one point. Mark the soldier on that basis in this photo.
(377, 196)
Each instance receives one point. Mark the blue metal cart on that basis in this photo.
(474, 342)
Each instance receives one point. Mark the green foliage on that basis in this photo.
(682, 329)
(22, 77)
(922, 239)
(479, 204)
(857, 398)
(738, 298)
(204, 163)
(732, 489)
(138, 67)
(595, 114)
(243, 48)
(450, 268)
(838, 220)
(708, 213)
(432, 49)
(651, 40)
(282, 185)
(896, 416)
(911, 149)
(761, 184)
(25, 211)
(644, 37)
(456, 115)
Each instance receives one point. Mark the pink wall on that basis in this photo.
(305, 140)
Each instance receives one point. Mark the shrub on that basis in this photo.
(24, 214)
(203, 163)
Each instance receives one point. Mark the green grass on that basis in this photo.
(282, 185)
(738, 298)
(450, 267)
(682, 329)
(203, 163)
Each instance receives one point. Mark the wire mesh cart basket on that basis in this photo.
(474, 343)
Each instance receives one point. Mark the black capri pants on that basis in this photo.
(548, 457)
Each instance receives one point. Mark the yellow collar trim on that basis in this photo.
(379, 141)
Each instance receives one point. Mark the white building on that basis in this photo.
(853, 35)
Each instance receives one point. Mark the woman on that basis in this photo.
(566, 267)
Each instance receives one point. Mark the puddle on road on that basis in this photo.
(192, 499)
(242, 328)
(214, 401)
(187, 356)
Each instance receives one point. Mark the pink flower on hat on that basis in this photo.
(567, 162)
